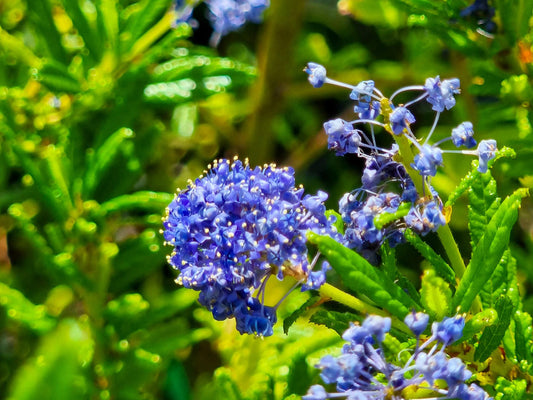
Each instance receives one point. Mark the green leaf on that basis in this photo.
(435, 295)
(503, 281)
(523, 336)
(437, 262)
(19, 308)
(489, 251)
(89, 34)
(291, 319)
(359, 275)
(493, 335)
(228, 389)
(510, 390)
(515, 16)
(474, 175)
(102, 158)
(483, 203)
(56, 77)
(56, 372)
(477, 323)
(143, 200)
(338, 321)
(299, 378)
(41, 14)
(386, 218)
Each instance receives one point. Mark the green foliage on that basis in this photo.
(489, 251)
(361, 277)
(493, 334)
(435, 295)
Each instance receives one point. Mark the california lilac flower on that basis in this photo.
(427, 161)
(486, 152)
(400, 118)
(387, 187)
(440, 94)
(363, 372)
(317, 74)
(234, 228)
(342, 137)
(463, 135)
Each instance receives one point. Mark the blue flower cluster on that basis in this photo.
(361, 207)
(225, 15)
(362, 371)
(234, 228)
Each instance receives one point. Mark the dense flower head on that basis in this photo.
(235, 227)
(363, 372)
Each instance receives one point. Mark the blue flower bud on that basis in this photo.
(417, 322)
(463, 135)
(317, 74)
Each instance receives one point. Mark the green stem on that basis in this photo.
(444, 233)
(450, 246)
(333, 293)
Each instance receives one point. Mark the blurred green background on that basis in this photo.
(106, 108)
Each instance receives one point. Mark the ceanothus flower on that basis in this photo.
(363, 372)
(440, 94)
(342, 137)
(463, 135)
(427, 160)
(235, 227)
(486, 151)
(317, 74)
(400, 118)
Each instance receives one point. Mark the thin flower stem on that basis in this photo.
(405, 89)
(433, 127)
(333, 293)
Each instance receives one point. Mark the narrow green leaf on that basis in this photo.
(41, 13)
(477, 323)
(437, 262)
(386, 218)
(435, 295)
(489, 251)
(108, 20)
(483, 203)
(141, 16)
(89, 34)
(56, 77)
(503, 281)
(143, 200)
(102, 159)
(291, 319)
(56, 372)
(19, 308)
(359, 275)
(523, 336)
(228, 388)
(515, 16)
(338, 321)
(493, 335)
(388, 261)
